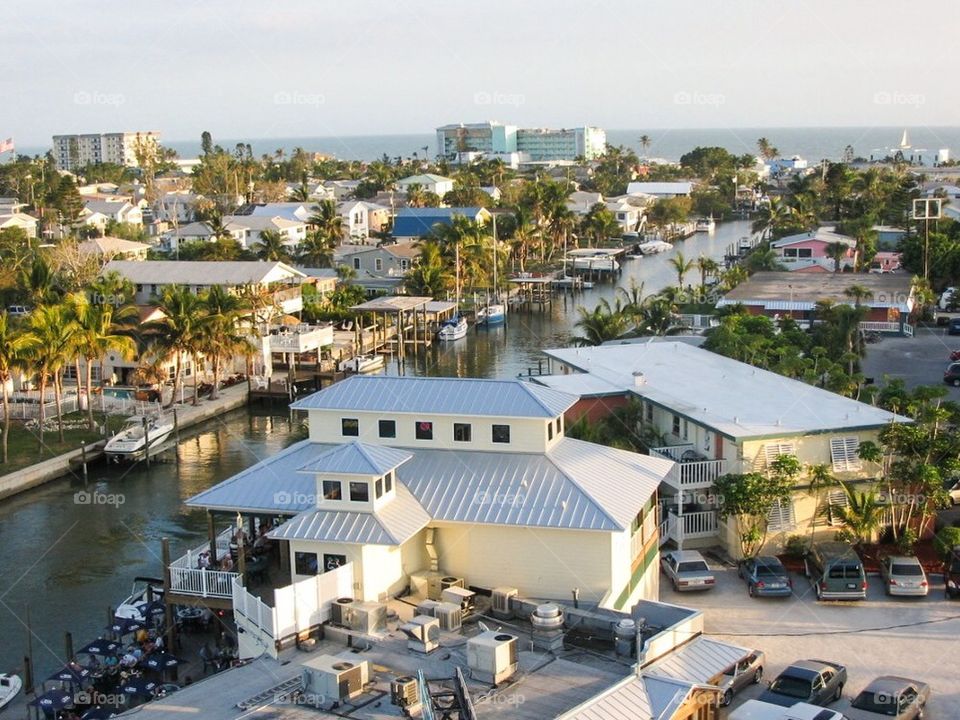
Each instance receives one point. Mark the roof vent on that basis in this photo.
(736, 420)
(639, 379)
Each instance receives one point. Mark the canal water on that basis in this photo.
(70, 550)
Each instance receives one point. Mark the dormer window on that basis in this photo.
(332, 490)
(378, 491)
(424, 430)
(388, 481)
(359, 491)
(461, 432)
(350, 427)
(549, 431)
(501, 434)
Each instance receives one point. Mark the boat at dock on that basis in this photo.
(131, 442)
(491, 315)
(362, 363)
(566, 282)
(452, 329)
(706, 225)
(652, 247)
(144, 591)
(10, 686)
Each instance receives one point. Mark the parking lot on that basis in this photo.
(917, 638)
(918, 360)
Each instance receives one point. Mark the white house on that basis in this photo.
(200, 232)
(660, 190)
(580, 201)
(434, 477)
(97, 213)
(293, 210)
(109, 248)
(292, 231)
(21, 220)
(361, 219)
(176, 206)
(437, 184)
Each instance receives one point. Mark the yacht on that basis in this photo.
(9, 688)
(135, 604)
(131, 442)
(363, 363)
(706, 225)
(491, 315)
(654, 246)
(453, 329)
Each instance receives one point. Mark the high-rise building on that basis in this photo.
(534, 144)
(71, 152)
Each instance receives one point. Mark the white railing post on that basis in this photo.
(203, 583)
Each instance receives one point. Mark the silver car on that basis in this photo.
(903, 575)
(747, 671)
(687, 570)
(892, 697)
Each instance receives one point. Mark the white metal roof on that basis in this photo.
(197, 272)
(735, 399)
(439, 396)
(660, 188)
(357, 458)
(627, 700)
(699, 661)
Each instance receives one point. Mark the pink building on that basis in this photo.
(809, 252)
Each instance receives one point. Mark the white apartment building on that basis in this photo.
(71, 152)
(532, 144)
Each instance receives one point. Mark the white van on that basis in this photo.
(757, 710)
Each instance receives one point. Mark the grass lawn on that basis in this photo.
(24, 445)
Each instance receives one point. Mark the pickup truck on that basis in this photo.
(817, 682)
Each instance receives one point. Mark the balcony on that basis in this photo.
(188, 578)
(301, 338)
(690, 526)
(692, 471)
(289, 300)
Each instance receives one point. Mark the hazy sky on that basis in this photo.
(292, 68)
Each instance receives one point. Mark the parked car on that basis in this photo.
(951, 376)
(817, 682)
(903, 575)
(836, 572)
(890, 696)
(687, 570)
(953, 327)
(765, 577)
(951, 575)
(946, 298)
(756, 710)
(18, 310)
(746, 671)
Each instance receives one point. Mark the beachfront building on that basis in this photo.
(416, 223)
(412, 479)
(436, 184)
(495, 140)
(713, 416)
(810, 251)
(71, 152)
(890, 303)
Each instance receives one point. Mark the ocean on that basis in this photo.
(814, 144)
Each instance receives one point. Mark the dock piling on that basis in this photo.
(146, 441)
(68, 646)
(83, 460)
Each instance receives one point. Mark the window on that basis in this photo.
(549, 431)
(356, 263)
(305, 563)
(676, 425)
(388, 428)
(332, 490)
(772, 451)
(359, 491)
(332, 562)
(686, 429)
(836, 499)
(501, 433)
(404, 264)
(781, 516)
(649, 409)
(378, 263)
(424, 430)
(843, 454)
(559, 426)
(378, 490)
(461, 432)
(388, 482)
(350, 427)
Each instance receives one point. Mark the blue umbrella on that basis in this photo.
(139, 686)
(161, 660)
(122, 626)
(53, 700)
(70, 674)
(100, 646)
(98, 713)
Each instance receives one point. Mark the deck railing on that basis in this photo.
(202, 583)
(689, 526)
(190, 559)
(691, 474)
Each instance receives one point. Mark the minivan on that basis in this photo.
(836, 572)
(951, 576)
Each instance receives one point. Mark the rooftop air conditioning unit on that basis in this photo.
(501, 602)
(367, 617)
(404, 692)
(335, 677)
(466, 599)
(450, 616)
(423, 633)
(449, 581)
(492, 656)
(428, 608)
(337, 609)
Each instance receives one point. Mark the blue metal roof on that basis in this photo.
(439, 396)
(357, 458)
(419, 222)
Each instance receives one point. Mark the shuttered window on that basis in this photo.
(781, 516)
(771, 451)
(843, 453)
(836, 499)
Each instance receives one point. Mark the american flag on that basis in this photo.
(6, 145)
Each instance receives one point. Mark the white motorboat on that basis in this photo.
(363, 363)
(653, 247)
(565, 281)
(600, 264)
(10, 686)
(131, 442)
(453, 329)
(143, 589)
(706, 225)
(492, 315)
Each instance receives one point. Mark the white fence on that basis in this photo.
(191, 558)
(25, 408)
(201, 583)
(296, 608)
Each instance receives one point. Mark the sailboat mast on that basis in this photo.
(496, 288)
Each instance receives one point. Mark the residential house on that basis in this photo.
(408, 477)
(112, 248)
(98, 213)
(580, 201)
(416, 223)
(324, 279)
(629, 211)
(171, 240)
(21, 220)
(341, 189)
(890, 304)
(176, 206)
(714, 416)
(362, 219)
(292, 232)
(293, 210)
(660, 190)
(809, 251)
(378, 269)
(436, 184)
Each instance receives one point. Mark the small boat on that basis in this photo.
(135, 604)
(10, 686)
(599, 264)
(452, 329)
(744, 245)
(706, 225)
(565, 281)
(362, 363)
(491, 315)
(130, 442)
(654, 246)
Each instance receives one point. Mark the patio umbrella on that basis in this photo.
(139, 686)
(162, 660)
(69, 674)
(100, 646)
(122, 626)
(53, 700)
(98, 713)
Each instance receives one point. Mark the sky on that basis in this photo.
(303, 68)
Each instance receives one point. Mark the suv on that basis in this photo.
(836, 572)
(951, 575)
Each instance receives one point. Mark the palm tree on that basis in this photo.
(15, 346)
(220, 336)
(177, 332)
(97, 332)
(862, 516)
(416, 196)
(771, 216)
(644, 144)
(272, 247)
(603, 323)
(766, 148)
(316, 250)
(39, 281)
(706, 266)
(858, 293)
(327, 221)
(301, 193)
(53, 329)
(524, 236)
(820, 479)
(681, 266)
(429, 277)
(837, 251)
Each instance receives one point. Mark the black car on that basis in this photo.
(765, 576)
(817, 682)
(954, 327)
(951, 376)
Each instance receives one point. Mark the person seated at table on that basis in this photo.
(203, 562)
(227, 564)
